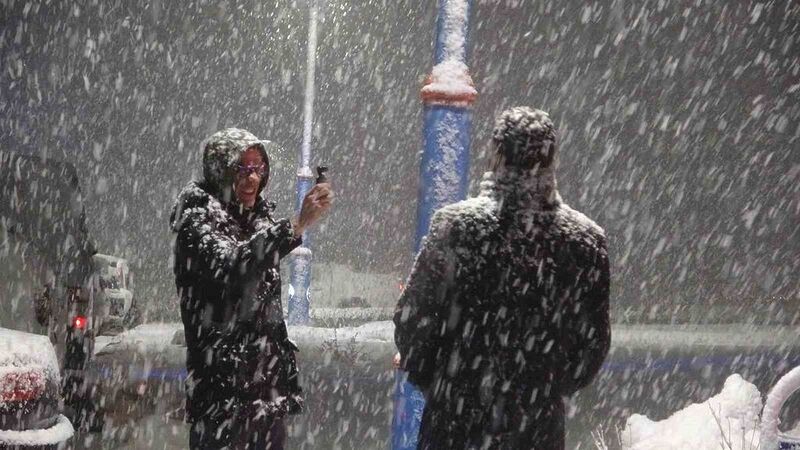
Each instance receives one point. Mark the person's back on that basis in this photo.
(507, 308)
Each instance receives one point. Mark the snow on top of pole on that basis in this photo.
(450, 82)
(308, 103)
(305, 172)
(454, 29)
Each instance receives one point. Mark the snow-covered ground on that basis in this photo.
(722, 336)
(147, 338)
(654, 370)
(161, 336)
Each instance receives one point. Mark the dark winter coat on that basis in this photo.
(241, 364)
(505, 312)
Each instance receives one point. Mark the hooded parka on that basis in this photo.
(506, 309)
(242, 373)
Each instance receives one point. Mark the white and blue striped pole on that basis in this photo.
(300, 280)
(447, 96)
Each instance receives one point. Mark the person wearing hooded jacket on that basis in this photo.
(242, 370)
(506, 308)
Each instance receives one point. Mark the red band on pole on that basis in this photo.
(438, 94)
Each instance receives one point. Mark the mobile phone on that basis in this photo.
(321, 171)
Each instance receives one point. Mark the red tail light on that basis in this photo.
(79, 322)
(21, 386)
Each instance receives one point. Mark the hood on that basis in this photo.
(222, 151)
(525, 174)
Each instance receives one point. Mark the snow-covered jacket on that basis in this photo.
(228, 279)
(505, 312)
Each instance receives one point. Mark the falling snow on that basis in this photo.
(676, 123)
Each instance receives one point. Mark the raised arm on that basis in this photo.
(221, 255)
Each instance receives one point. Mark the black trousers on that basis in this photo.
(205, 435)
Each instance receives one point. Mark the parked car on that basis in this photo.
(49, 257)
(30, 393)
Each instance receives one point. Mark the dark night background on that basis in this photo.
(679, 123)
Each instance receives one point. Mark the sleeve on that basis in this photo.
(419, 311)
(587, 331)
(221, 255)
(287, 246)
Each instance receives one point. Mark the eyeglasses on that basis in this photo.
(245, 170)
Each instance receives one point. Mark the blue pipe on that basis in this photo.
(444, 172)
(444, 169)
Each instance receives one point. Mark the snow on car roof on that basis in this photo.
(20, 349)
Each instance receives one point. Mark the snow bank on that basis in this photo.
(147, 338)
(373, 342)
(335, 317)
(19, 349)
(378, 332)
(158, 338)
(728, 336)
(729, 420)
(56, 434)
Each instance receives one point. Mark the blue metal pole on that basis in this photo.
(447, 96)
(300, 280)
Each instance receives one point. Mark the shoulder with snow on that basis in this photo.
(193, 193)
(475, 209)
(577, 224)
(194, 201)
(480, 206)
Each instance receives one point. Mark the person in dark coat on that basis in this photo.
(506, 309)
(242, 369)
